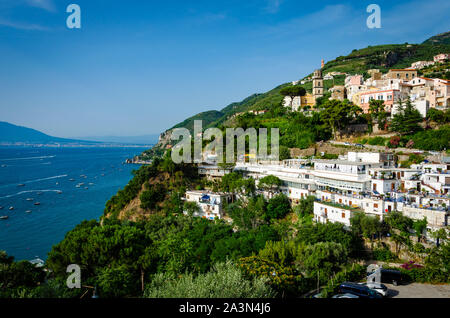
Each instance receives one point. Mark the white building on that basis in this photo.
(212, 172)
(325, 212)
(210, 203)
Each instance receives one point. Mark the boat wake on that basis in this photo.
(44, 179)
(29, 191)
(28, 158)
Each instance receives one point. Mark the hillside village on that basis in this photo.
(372, 182)
(359, 181)
(395, 85)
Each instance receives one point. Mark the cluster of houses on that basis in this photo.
(358, 181)
(395, 85)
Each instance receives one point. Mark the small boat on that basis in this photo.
(90, 183)
(3, 166)
(59, 191)
(1, 208)
(29, 199)
(11, 208)
(28, 211)
(37, 203)
(57, 183)
(4, 217)
(39, 193)
(21, 185)
(71, 179)
(86, 188)
(103, 174)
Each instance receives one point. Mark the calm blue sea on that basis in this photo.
(44, 175)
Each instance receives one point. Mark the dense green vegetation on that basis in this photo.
(262, 253)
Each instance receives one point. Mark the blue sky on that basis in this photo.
(138, 67)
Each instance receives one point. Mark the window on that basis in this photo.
(340, 200)
(343, 215)
(389, 97)
(375, 205)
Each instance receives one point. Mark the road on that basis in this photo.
(416, 290)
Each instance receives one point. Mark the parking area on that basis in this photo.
(416, 290)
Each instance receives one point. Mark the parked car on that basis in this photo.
(379, 288)
(358, 290)
(390, 276)
(347, 295)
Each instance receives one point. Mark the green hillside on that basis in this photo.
(443, 38)
(359, 61)
(207, 117)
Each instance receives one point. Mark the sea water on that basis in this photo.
(44, 175)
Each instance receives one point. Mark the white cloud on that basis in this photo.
(273, 6)
(22, 26)
(47, 5)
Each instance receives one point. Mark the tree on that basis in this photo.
(306, 206)
(396, 220)
(225, 280)
(270, 183)
(293, 91)
(191, 207)
(338, 114)
(247, 214)
(326, 257)
(285, 153)
(406, 120)
(152, 196)
(277, 207)
(438, 116)
(116, 282)
(419, 227)
(377, 112)
(281, 252)
(365, 225)
(16, 276)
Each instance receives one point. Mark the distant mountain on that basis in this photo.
(10, 133)
(135, 140)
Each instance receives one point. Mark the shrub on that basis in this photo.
(384, 254)
(225, 280)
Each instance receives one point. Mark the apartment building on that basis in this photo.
(389, 97)
(441, 58)
(404, 74)
(384, 181)
(298, 181)
(328, 212)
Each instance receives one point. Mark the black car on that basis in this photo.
(361, 291)
(390, 276)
